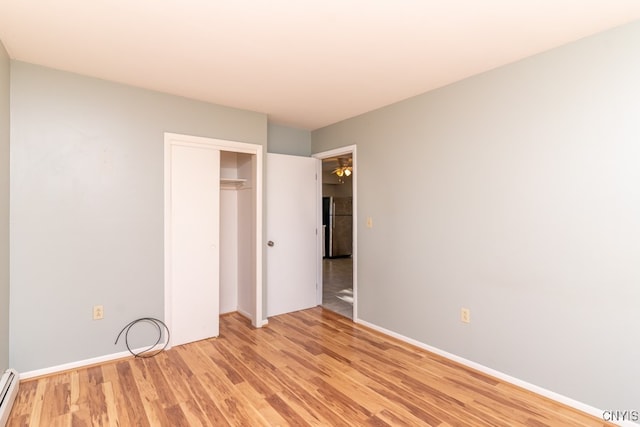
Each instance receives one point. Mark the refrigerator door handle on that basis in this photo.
(333, 215)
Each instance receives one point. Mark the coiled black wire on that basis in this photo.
(148, 352)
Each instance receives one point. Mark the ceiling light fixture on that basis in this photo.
(344, 168)
(343, 171)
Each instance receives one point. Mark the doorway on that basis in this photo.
(338, 237)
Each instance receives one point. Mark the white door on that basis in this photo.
(194, 240)
(292, 211)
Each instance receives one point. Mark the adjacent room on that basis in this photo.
(327, 213)
(337, 234)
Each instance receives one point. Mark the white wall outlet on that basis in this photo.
(98, 312)
(465, 315)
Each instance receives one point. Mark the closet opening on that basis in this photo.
(237, 219)
(213, 234)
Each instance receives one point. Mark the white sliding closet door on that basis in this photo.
(194, 242)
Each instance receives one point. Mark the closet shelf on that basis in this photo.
(233, 183)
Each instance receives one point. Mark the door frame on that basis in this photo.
(349, 149)
(172, 139)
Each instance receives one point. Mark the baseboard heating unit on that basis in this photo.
(8, 392)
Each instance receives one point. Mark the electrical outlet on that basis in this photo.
(465, 315)
(98, 312)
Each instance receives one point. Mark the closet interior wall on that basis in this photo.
(237, 243)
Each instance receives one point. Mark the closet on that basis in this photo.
(237, 259)
(213, 228)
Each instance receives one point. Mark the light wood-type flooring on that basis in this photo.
(312, 367)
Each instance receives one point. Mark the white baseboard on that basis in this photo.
(259, 324)
(497, 374)
(244, 314)
(102, 359)
(79, 364)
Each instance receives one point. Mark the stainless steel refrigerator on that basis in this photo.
(337, 220)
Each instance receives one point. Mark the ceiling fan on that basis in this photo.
(345, 167)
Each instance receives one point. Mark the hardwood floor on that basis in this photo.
(312, 367)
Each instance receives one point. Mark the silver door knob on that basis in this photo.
(270, 243)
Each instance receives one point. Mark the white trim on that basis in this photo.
(171, 139)
(263, 322)
(497, 374)
(101, 359)
(219, 144)
(82, 363)
(349, 149)
(259, 319)
(320, 232)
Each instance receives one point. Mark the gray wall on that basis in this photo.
(516, 194)
(4, 209)
(287, 140)
(87, 206)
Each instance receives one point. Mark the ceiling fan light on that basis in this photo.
(347, 172)
(339, 172)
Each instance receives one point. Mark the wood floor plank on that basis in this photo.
(134, 406)
(38, 403)
(112, 412)
(91, 401)
(202, 396)
(311, 367)
(299, 389)
(25, 399)
(119, 394)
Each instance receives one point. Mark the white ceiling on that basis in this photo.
(305, 63)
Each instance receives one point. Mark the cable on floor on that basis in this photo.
(148, 352)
